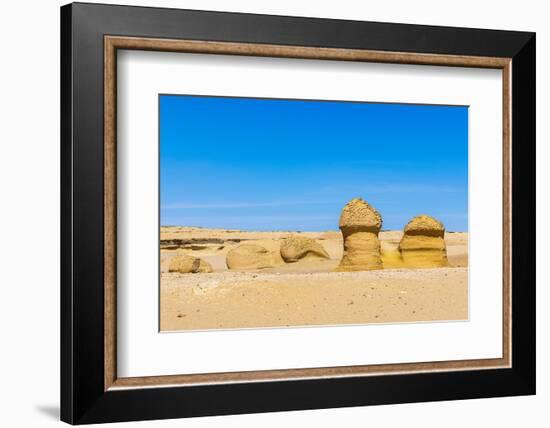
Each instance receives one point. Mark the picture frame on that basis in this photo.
(91, 390)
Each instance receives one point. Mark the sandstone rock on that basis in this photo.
(423, 243)
(360, 224)
(295, 248)
(189, 264)
(251, 256)
(205, 267)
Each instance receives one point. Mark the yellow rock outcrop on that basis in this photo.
(360, 224)
(252, 256)
(423, 243)
(189, 264)
(295, 248)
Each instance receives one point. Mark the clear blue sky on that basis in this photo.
(260, 164)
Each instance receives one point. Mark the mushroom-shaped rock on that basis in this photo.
(251, 256)
(295, 248)
(189, 264)
(360, 224)
(423, 243)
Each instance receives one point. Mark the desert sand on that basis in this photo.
(306, 292)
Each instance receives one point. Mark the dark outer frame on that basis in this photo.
(114, 43)
(83, 395)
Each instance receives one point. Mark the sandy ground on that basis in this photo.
(306, 292)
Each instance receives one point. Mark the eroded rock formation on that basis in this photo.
(423, 243)
(360, 224)
(295, 248)
(251, 256)
(189, 264)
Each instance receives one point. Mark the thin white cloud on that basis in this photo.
(262, 219)
(420, 188)
(391, 188)
(230, 205)
(360, 191)
(268, 222)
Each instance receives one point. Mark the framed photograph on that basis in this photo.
(265, 213)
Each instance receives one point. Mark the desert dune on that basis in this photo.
(308, 291)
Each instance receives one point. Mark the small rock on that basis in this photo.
(189, 264)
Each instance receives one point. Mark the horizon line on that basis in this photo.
(286, 230)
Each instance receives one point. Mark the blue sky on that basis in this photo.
(262, 164)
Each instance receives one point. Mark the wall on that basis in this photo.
(29, 230)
